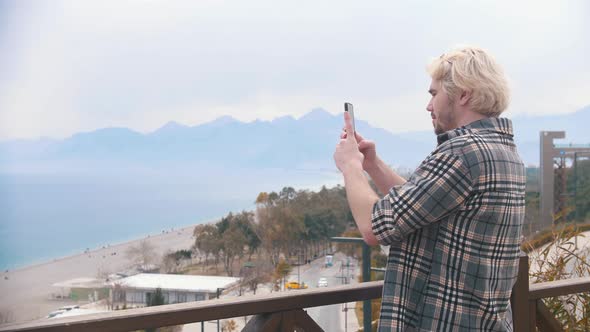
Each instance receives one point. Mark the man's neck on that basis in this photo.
(469, 116)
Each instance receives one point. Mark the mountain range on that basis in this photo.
(306, 143)
(114, 184)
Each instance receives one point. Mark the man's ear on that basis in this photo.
(465, 97)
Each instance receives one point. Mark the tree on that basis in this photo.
(290, 228)
(266, 230)
(232, 230)
(169, 263)
(281, 271)
(229, 325)
(292, 221)
(207, 240)
(118, 296)
(233, 246)
(280, 223)
(142, 254)
(254, 274)
(172, 261)
(245, 222)
(157, 298)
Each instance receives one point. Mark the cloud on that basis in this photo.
(76, 66)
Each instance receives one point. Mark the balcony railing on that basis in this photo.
(284, 311)
(527, 308)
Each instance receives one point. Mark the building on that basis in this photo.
(81, 289)
(552, 175)
(138, 289)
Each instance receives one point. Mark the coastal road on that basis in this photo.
(331, 317)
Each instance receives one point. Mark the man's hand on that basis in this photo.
(361, 197)
(347, 152)
(366, 147)
(383, 176)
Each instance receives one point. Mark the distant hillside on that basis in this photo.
(527, 128)
(305, 143)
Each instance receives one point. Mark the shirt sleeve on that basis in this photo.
(438, 187)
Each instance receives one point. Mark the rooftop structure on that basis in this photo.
(177, 282)
(88, 283)
(139, 289)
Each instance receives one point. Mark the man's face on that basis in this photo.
(441, 108)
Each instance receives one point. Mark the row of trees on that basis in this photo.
(300, 222)
(285, 224)
(232, 237)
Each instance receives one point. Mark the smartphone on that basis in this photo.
(348, 108)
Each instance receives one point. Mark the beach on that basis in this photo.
(27, 292)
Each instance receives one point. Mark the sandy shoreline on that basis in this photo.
(27, 290)
(134, 240)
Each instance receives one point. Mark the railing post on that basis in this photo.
(284, 321)
(367, 308)
(533, 315)
(545, 319)
(367, 312)
(520, 297)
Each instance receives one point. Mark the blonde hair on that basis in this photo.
(473, 70)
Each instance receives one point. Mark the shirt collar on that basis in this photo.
(502, 126)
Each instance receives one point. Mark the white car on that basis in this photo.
(323, 282)
(69, 307)
(55, 313)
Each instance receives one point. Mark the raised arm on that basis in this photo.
(382, 175)
(360, 195)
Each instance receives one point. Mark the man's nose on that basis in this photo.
(429, 107)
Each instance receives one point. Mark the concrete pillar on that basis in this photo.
(546, 175)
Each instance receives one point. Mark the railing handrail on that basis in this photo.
(529, 311)
(559, 287)
(191, 312)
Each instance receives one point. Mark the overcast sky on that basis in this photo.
(70, 66)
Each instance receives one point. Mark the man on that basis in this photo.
(453, 227)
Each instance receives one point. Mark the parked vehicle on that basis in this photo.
(329, 260)
(295, 285)
(69, 307)
(55, 313)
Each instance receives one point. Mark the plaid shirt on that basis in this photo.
(453, 230)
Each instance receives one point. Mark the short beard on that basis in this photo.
(452, 115)
(438, 130)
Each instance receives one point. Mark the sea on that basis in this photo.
(51, 215)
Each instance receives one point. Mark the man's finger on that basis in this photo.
(364, 143)
(348, 125)
(358, 136)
